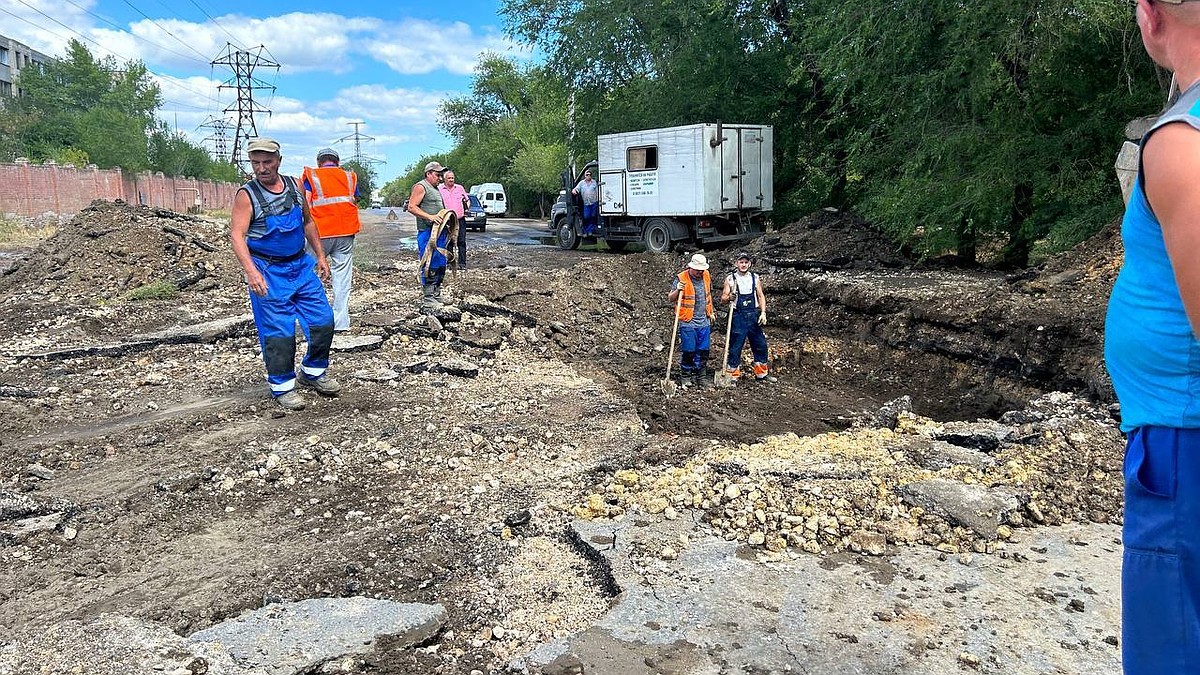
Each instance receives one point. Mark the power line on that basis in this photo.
(181, 83)
(220, 127)
(131, 5)
(81, 35)
(217, 23)
(104, 47)
(132, 34)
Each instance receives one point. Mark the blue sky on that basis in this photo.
(387, 65)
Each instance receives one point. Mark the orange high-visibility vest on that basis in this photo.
(687, 309)
(331, 200)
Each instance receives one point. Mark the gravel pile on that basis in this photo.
(959, 487)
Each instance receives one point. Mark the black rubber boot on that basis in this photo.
(703, 376)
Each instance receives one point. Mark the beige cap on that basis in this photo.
(263, 144)
(698, 262)
(434, 166)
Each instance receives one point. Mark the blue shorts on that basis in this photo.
(1160, 574)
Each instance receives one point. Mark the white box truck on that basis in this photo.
(693, 185)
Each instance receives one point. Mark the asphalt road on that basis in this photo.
(513, 231)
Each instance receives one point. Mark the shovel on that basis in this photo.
(722, 378)
(668, 386)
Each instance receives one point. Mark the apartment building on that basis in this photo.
(15, 57)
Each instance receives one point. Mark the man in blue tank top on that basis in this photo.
(268, 228)
(1153, 356)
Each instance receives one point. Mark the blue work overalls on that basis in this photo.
(745, 325)
(294, 292)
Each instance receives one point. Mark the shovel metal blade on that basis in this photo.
(668, 387)
(722, 379)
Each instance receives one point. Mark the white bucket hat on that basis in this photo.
(698, 262)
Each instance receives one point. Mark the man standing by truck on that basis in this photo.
(425, 203)
(269, 226)
(590, 192)
(695, 319)
(332, 199)
(1151, 350)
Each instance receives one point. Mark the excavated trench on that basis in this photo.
(845, 339)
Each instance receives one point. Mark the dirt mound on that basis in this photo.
(828, 239)
(112, 248)
(1094, 262)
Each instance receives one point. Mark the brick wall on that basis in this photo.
(34, 189)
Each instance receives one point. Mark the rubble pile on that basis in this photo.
(959, 487)
(112, 248)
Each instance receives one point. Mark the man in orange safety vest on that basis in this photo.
(332, 197)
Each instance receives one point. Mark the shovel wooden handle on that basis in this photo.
(674, 332)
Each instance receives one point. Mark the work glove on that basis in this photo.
(762, 318)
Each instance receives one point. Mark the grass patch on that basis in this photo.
(159, 290)
(17, 234)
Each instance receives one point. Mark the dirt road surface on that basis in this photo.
(909, 497)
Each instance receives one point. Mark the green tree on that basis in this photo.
(99, 107)
(367, 178)
(993, 122)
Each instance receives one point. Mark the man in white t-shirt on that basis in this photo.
(745, 290)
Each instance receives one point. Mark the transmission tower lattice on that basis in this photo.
(243, 63)
(358, 139)
(219, 137)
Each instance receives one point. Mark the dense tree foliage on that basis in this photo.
(510, 129)
(80, 110)
(956, 127)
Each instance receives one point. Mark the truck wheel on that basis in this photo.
(615, 246)
(657, 235)
(568, 238)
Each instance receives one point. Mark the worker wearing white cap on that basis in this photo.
(695, 319)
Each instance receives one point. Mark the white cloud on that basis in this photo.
(417, 46)
(383, 104)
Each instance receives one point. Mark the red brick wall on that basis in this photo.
(34, 189)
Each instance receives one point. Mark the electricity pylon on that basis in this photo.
(243, 63)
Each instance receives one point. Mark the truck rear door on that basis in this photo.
(750, 144)
(612, 192)
(731, 184)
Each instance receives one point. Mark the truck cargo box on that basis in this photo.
(693, 170)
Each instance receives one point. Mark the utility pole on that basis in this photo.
(243, 63)
(358, 138)
(219, 136)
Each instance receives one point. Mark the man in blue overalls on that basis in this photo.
(744, 288)
(268, 228)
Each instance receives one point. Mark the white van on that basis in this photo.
(491, 195)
